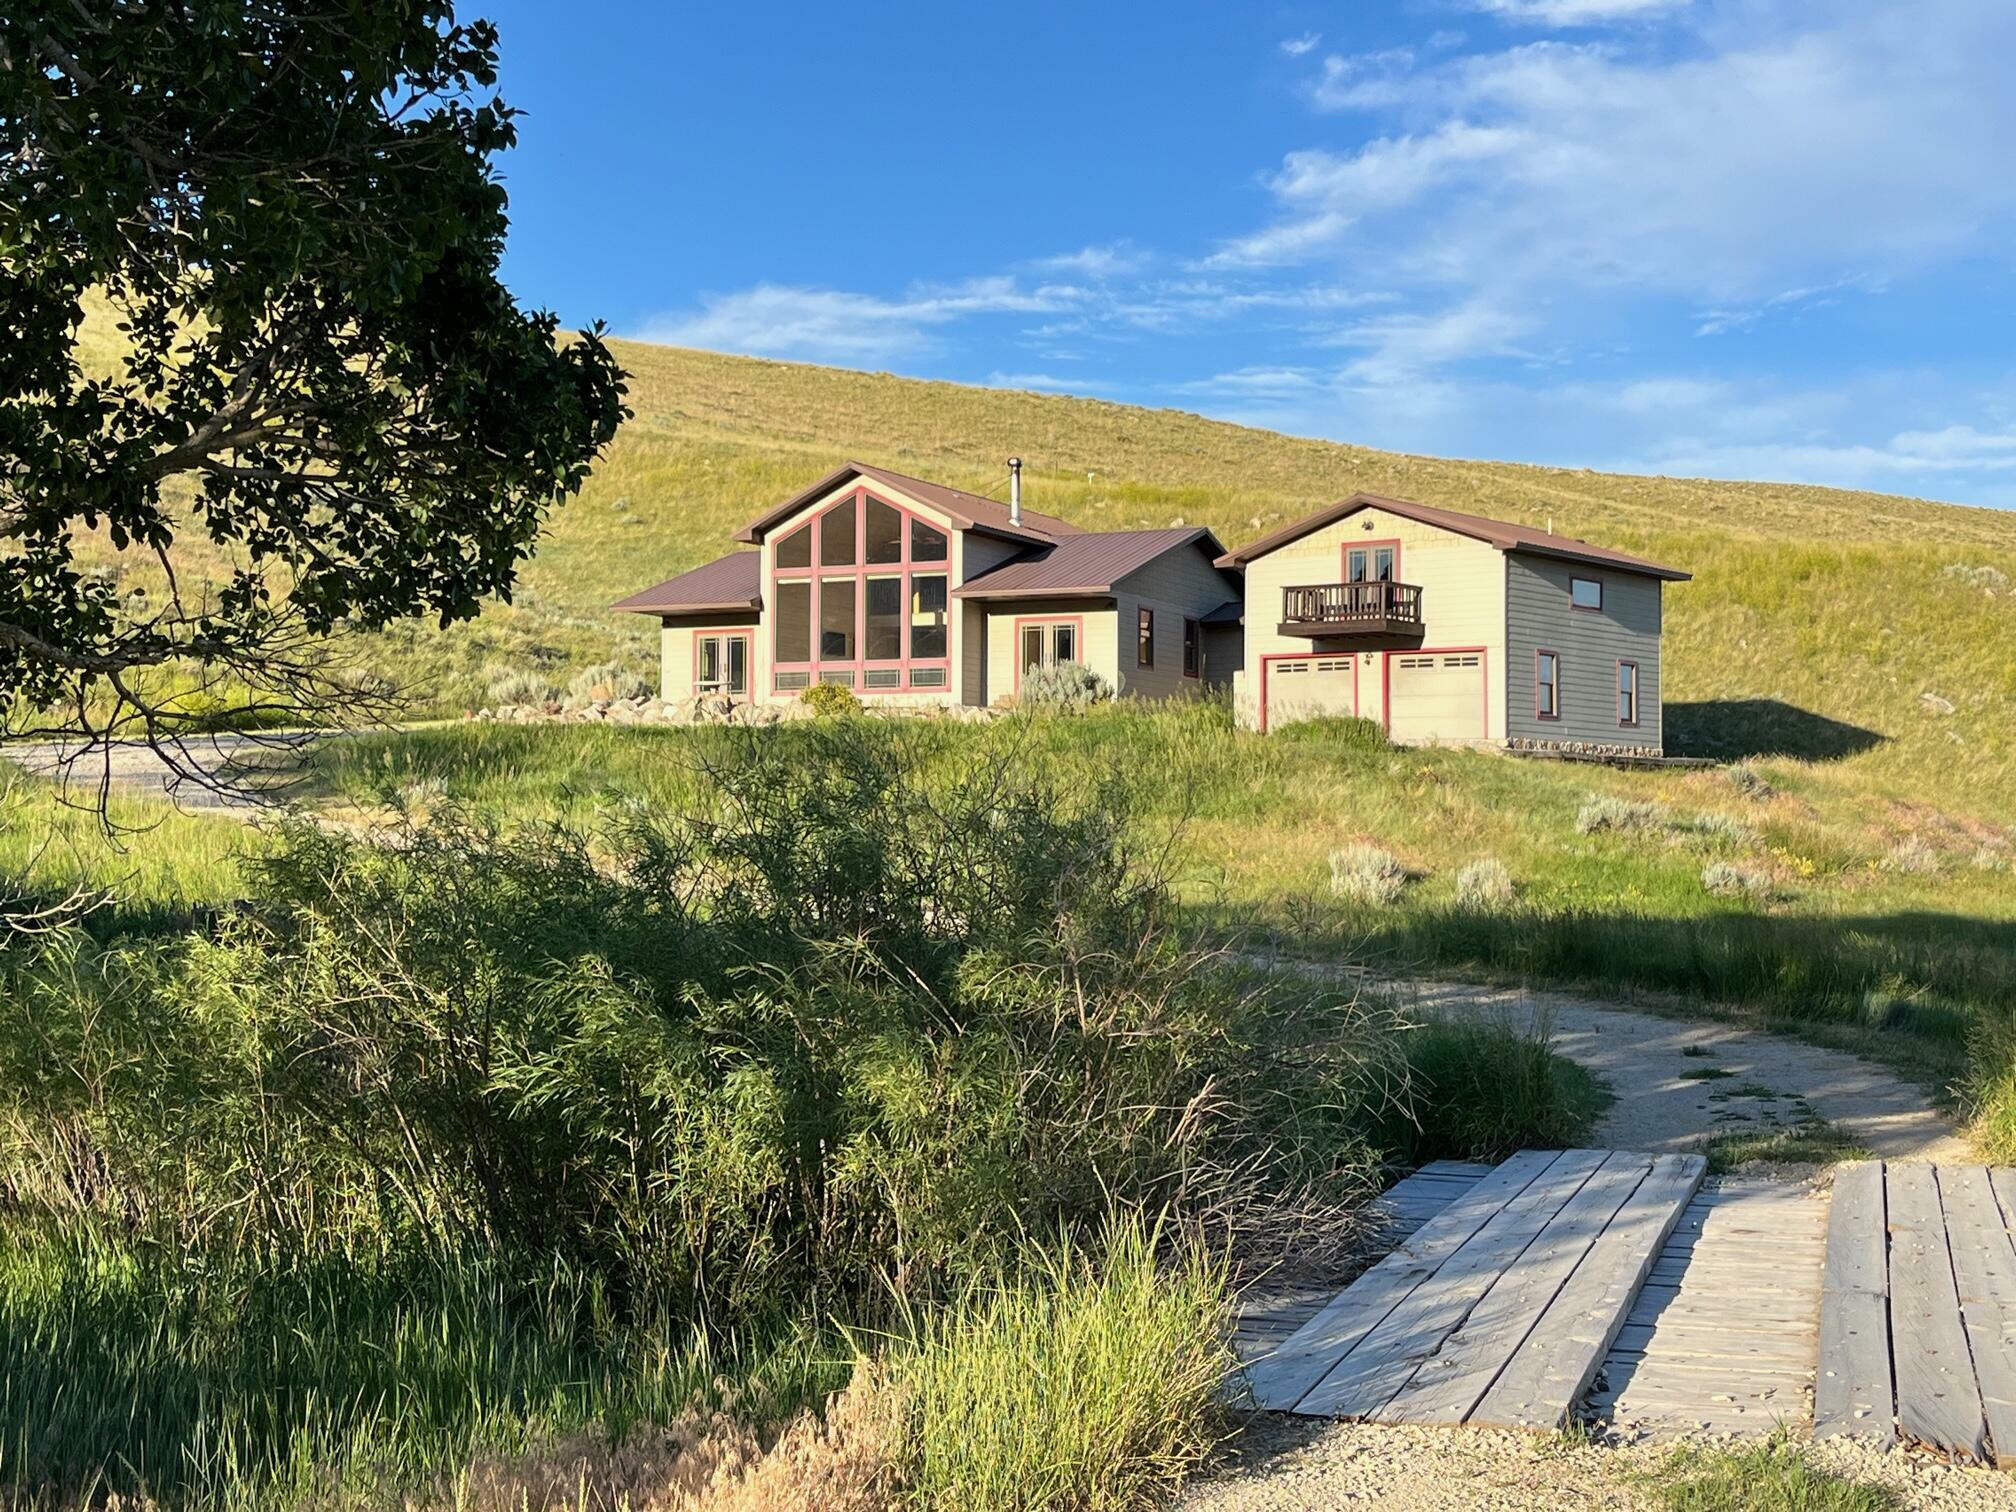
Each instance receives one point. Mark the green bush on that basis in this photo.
(830, 700)
(1479, 1091)
(526, 687)
(825, 1026)
(1063, 685)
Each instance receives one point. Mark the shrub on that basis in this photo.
(830, 700)
(830, 1024)
(1480, 1090)
(1750, 782)
(1717, 829)
(526, 687)
(1366, 874)
(1989, 858)
(1088, 1380)
(605, 682)
(1063, 685)
(1484, 884)
(1601, 812)
(1732, 880)
(1914, 856)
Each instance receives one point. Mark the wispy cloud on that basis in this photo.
(1046, 383)
(1308, 42)
(1577, 12)
(783, 320)
(1111, 261)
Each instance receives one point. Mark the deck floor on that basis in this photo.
(1918, 1309)
(1499, 1309)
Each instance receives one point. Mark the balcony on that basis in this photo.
(1323, 610)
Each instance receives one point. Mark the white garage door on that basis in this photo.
(1437, 696)
(1309, 687)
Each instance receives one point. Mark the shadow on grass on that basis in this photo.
(1735, 729)
(1909, 987)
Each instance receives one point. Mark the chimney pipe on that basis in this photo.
(1015, 492)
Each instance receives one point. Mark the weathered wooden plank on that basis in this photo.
(1853, 1390)
(1984, 1275)
(1279, 1381)
(1363, 1380)
(1938, 1402)
(1560, 1357)
(1447, 1385)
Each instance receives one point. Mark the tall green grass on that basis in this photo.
(1088, 1378)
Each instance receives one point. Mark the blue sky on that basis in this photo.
(1739, 238)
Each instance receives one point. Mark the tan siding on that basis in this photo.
(1462, 584)
(1177, 585)
(675, 653)
(1100, 651)
(1590, 644)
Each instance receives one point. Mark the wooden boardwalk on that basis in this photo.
(1499, 1309)
(1918, 1309)
(1723, 1337)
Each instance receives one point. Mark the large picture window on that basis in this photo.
(869, 577)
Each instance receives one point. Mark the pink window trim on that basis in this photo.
(1368, 547)
(859, 572)
(1077, 623)
(1538, 652)
(748, 639)
(1357, 700)
(1637, 706)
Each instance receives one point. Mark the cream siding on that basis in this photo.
(1177, 585)
(1589, 643)
(675, 653)
(1098, 621)
(1462, 584)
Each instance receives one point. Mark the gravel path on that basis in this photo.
(233, 775)
(1678, 1080)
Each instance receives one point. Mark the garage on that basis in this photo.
(1306, 687)
(1435, 695)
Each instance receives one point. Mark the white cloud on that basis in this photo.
(1308, 42)
(1109, 261)
(1403, 347)
(1258, 382)
(782, 320)
(1577, 12)
(1046, 383)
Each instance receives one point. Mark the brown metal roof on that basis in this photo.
(1500, 533)
(968, 511)
(729, 583)
(1089, 562)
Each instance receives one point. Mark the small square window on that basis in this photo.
(1585, 593)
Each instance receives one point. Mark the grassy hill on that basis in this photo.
(1820, 622)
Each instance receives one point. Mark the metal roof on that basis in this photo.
(968, 511)
(1500, 533)
(729, 583)
(1089, 562)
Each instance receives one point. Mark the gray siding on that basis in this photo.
(1589, 643)
(1177, 585)
(1224, 652)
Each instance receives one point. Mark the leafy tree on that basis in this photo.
(293, 208)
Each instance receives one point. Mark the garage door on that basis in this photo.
(1437, 695)
(1309, 687)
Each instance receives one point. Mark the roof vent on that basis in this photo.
(1015, 492)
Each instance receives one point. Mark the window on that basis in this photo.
(1144, 637)
(1546, 685)
(1193, 656)
(1627, 693)
(836, 619)
(1045, 643)
(794, 622)
(1585, 593)
(850, 609)
(721, 664)
(1378, 562)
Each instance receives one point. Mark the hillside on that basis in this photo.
(1820, 621)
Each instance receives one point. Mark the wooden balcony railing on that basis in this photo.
(1375, 608)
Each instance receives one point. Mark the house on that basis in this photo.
(910, 592)
(1449, 627)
